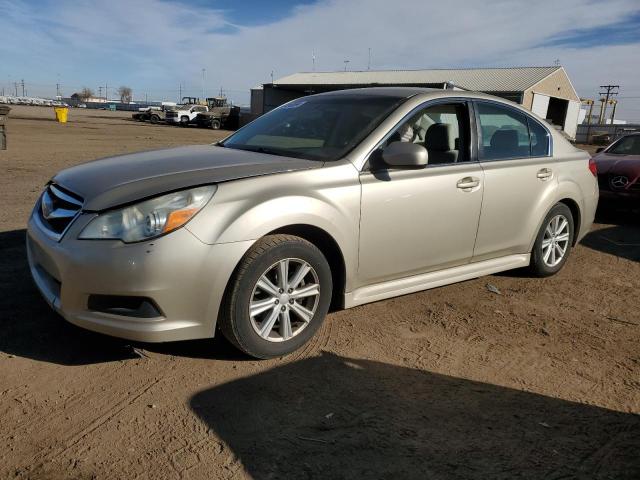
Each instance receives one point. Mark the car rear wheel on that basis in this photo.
(553, 243)
(215, 124)
(184, 121)
(278, 297)
(154, 119)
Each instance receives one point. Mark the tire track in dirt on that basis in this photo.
(69, 404)
(39, 460)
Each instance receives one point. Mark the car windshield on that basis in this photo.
(626, 146)
(325, 127)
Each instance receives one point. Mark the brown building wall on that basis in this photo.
(555, 85)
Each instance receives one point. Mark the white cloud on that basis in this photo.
(153, 45)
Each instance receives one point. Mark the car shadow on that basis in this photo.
(335, 417)
(622, 238)
(618, 212)
(31, 329)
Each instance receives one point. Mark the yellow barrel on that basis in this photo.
(61, 114)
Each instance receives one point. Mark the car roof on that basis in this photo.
(408, 92)
(397, 92)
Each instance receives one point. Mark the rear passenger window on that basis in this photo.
(539, 139)
(504, 133)
(507, 133)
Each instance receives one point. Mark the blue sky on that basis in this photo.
(156, 46)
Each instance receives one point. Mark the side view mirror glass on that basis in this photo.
(405, 154)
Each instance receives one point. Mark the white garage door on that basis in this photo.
(571, 120)
(540, 105)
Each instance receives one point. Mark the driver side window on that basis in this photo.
(443, 129)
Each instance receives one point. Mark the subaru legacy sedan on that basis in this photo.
(327, 202)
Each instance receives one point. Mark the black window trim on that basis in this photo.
(473, 140)
(617, 141)
(530, 118)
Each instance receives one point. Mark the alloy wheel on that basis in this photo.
(284, 300)
(555, 241)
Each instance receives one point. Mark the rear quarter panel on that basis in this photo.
(576, 182)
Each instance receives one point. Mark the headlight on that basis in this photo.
(151, 218)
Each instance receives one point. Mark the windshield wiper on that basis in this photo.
(283, 152)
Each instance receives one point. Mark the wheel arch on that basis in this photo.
(568, 200)
(577, 217)
(330, 249)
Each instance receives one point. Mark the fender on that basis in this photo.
(245, 210)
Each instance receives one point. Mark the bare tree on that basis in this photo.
(126, 94)
(84, 94)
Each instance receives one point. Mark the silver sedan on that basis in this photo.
(329, 201)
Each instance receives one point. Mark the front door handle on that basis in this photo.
(544, 174)
(468, 183)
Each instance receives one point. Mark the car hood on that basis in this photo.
(620, 164)
(114, 181)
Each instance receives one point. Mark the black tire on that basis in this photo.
(215, 124)
(184, 121)
(235, 321)
(538, 266)
(154, 119)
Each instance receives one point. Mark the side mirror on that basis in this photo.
(405, 154)
(599, 149)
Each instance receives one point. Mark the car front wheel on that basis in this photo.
(553, 243)
(278, 297)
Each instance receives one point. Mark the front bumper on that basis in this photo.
(184, 277)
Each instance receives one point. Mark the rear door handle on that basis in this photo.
(467, 183)
(544, 174)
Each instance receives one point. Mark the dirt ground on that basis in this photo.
(539, 381)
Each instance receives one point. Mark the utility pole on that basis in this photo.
(57, 89)
(346, 62)
(613, 113)
(610, 90)
(369, 62)
(589, 102)
(313, 59)
(22, 83)
(271, 77)
(180, 92)
(203, 80)
(15, 84)
(106, 94)
(99, 92)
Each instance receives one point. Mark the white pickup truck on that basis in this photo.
(184, 114)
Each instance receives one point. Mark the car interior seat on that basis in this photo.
(504, 144)
(440, 144)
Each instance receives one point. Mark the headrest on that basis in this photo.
(505, 139)
(438, 137)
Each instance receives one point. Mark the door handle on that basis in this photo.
(467, 183)
(544, 174)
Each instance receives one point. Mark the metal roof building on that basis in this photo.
(547, 91)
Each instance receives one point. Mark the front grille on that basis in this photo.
(57, 209)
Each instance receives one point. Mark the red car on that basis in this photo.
(619, 167)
